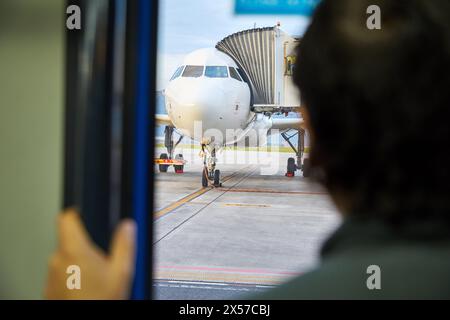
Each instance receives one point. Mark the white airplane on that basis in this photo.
(208, 99)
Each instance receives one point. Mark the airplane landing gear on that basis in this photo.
(205, 177)
(210, 174)
(217, 178)
(166, 159)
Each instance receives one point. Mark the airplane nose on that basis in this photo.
(198, 108)
(199, 103)
(204, 101)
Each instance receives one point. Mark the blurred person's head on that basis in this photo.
(378, 102)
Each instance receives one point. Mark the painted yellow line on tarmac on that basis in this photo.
(180, 202)
(275, 191)
(188, 198)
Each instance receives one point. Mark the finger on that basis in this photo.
(123, 250)
(72, 234)
(54, 285)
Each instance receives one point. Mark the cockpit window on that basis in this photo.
(216, 72)
(234, 74)
(193, 71)
(242, 74)
(177, 73)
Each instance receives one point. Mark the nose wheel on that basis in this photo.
(217, 179)
(210, 175)
(205, 180)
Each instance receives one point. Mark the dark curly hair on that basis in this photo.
(379, 106)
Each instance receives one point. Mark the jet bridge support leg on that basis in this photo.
(306, 167)
(300, 148)
(301, 152)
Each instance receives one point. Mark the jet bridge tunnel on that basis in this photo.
(266, 57)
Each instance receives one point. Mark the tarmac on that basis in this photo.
(255, 232)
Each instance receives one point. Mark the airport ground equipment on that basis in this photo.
(166, 160)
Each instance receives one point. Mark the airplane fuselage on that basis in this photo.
(207, 99)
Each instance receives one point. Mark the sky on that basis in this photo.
(188, 25)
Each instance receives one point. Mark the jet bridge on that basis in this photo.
(266, 58)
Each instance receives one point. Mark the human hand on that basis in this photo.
(102, 276)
